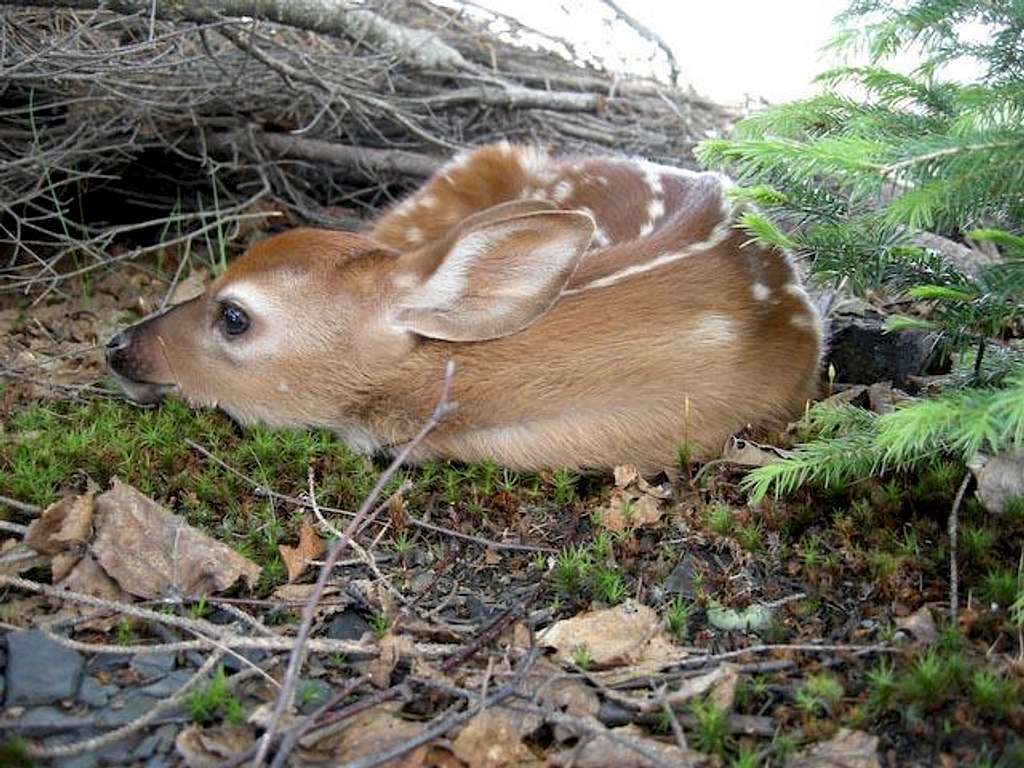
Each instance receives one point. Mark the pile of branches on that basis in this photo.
(145, 124)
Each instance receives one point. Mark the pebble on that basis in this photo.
(312, 693)
(681, 580)
(39, 670)
(95, 694)
(153, 664)
(347, 625)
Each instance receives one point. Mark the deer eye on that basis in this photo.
(233, 319)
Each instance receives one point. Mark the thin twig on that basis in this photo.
(295, 659)
(954, 582)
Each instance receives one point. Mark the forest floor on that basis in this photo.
(488, 617)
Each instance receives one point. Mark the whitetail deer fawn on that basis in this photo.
(599, 311)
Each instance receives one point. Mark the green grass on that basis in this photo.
(215, 701)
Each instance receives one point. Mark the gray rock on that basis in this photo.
(105, 662)
(95, 694)
(233, 664)
(39, 670)
(347, 625)
(161, 740)
(153, 664)
(45, 717)
(159, 761)
(863, 352)
(167, 685)
(681, 580)
(124, 708)
(312, 693)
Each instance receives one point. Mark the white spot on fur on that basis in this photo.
(414, 235)
(801, 321)
(505, 148)
(721, 231)
(563, 191)
(655, 209)
(761, 292)
(429, 201)
(282, 386)
(652, 175)
(714, 329)
(646, 228)
(601, 237)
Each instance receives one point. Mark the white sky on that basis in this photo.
(726, 49)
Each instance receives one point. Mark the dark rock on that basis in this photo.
(153, 664)
(681, 580)
(45, 718)
(161, 740)
(478, 610)
(105, 662)
(862, 352)
(233, 664)
(94, 694)
(125, 708)
(166, 686)
(347, 625)
(311, 694)
(159, 761)
(39, 670)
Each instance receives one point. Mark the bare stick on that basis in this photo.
(649, 35)
(295, 659)
(954, 582)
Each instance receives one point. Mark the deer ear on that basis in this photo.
(493, 280)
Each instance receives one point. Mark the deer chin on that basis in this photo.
(143, 392)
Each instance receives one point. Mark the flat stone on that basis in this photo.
(47, 717)
(39, 670)
(233, 664)
(94, 694)
(161, 740)
(347, 625)
(681, 580)
(312, 693)
(166, 686)
(153, 664)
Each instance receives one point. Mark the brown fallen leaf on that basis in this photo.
(609, 752)
(17, 557)
(87, 577)
(491, 740)
(297, 559)
(847, 749)
(1000, 479)
(747, 453)
(627, 509)
(210, 747)
(368, 733)
(723, 692)
(921, 625)
(152, 553)
(628, 634)
(65, 524)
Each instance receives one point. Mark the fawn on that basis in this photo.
(599, 310)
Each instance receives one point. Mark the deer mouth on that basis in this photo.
(144, 392)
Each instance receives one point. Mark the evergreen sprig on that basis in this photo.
(850, 177)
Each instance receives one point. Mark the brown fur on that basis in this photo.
(595, 368)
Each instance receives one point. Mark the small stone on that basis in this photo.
(95, 694)
(45, 717)
(478, 610)
(166, 686)
(233, 664)
(681, 580)
(153, 664)
(161, 740)
(40, 670)
(311, 694)
(347, 625)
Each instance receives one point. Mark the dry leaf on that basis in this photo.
(368, 733)
(630, 633)
(491, 740)
(391, 649)
(723, 692)
(152, 553)
(89, 578)
(750, 454)
(847, 749)
(625, 475)
(16, 557)
(627, 509)
(210, 747)
(297, 559)
(921, 625)
(605, 752)
(65, 524)
(1000, 479)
